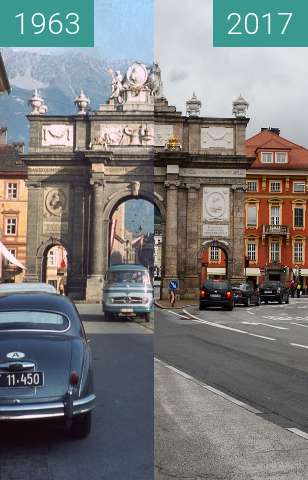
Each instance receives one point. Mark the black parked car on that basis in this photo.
(45, 361)
(246, 294)
(216, 293)
(274, 291)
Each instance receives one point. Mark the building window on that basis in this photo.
(251, 251)
(12, 191)
(281, 157)
(266, 157)
(275, 186)
(52, 258)
(252, 186)
(299, 187)
(298, 217)
(298, 251)
(214, 254)
(251, 216)
(275, 215)
(275, 252)
(10, 226)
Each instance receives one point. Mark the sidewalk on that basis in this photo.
(201, 435)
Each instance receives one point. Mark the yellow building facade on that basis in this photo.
(13, 210)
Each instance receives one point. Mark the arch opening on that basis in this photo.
(215, 261)
(55, 267)
(135, 234)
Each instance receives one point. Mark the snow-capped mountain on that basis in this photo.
(59, 79)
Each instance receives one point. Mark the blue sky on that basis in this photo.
(124, 29)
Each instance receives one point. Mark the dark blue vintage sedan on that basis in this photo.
(45, 361)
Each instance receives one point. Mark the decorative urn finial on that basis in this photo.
(193, 106)
(37, 103)
(82, 103)
(240, 107)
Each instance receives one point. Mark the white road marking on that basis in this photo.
(300, 325)
(298, 345)
(248, 311)
(178, 314)
(265, 325)
(209, 388)
(299, 432)
(224, 327)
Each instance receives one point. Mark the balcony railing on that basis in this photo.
(276, 230)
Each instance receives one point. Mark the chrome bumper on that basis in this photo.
(45, 410)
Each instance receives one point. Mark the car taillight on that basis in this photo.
(229, 295)
(74, 379)
(202, 293)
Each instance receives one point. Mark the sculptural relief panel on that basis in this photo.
(216, 204)
(217, 137)
(124, 135)
(57, 135)
(56, 201)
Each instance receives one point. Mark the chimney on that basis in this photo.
(3, 136)
(276, 131)
(19, 146)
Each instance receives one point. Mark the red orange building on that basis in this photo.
(276, 234)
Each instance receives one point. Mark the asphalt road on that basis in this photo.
(120, 446)
(257, 355)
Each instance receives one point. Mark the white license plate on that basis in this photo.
(268, 291)
(127, 310)
(215, 295)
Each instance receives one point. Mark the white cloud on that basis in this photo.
(273, 80)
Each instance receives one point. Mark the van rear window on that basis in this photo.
(128, 276)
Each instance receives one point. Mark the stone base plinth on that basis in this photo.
(94, 291)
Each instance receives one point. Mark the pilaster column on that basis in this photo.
(238, 264)
(33, 272)
(171, 248)
(192, 229)
(97, 238)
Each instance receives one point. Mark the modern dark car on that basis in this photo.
(216, 293)
(274, 291)
(45, 361)
(246, 294)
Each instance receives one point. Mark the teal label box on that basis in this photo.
(47, 23)
(260, 23)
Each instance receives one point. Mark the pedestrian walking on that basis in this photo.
(172, 291)
(298, 290)
(61, 287)
(292, 288)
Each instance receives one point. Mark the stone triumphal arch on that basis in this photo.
(80, 167)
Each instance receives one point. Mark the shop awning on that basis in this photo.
(10, 257)
(304, 272)
(253, 272)
(216, 271)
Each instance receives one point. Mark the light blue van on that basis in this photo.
(128, 292)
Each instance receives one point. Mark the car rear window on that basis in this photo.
(33, 320)
(270, 285)
(216, 285)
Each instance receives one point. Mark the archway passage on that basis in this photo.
(131, 233)
(214, 262)
(55, 268)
